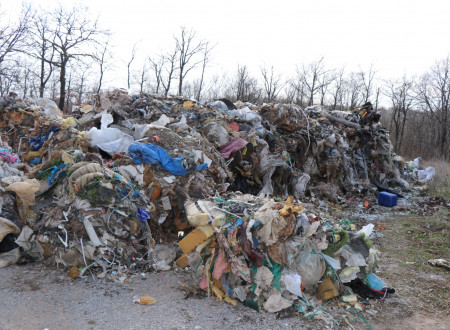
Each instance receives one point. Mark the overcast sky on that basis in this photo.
(397, 36)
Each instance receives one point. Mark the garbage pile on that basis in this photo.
(274, 255)
(127, 184)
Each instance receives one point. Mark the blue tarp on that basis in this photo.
(143, 153)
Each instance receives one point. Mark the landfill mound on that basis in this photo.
(130, 184)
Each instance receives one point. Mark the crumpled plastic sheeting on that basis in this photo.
(29, 244)
(426, 175)
(272, 222)
(300, 185)
(310, 264)
(155, 155)
(25, 190)
(50, 108)
(276, 302)
(234, 145)
(293, 282)
(263, 280)
(110, 140)
(37, 142)
(7, 227)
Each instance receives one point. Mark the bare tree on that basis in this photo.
(366, 78)
(142, 77)
(74, 33)
(133, 55)
(169, 63)
(188, 49)
(81, 86)
(157, 65)
(102, 57)
(353, 91)
(338, 88)
(400, 94)
(310, 78)
(272, 84)
(40, 47)
(206, 58)
(433, 93)
(244, 87)
(13, 35)
(324, 83)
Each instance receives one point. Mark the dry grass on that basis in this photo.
(441, 182)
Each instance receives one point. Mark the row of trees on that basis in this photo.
(64, 54)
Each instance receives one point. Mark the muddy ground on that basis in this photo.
(35, 296)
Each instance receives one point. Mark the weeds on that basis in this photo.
(441, 182)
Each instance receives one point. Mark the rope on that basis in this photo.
(358, 313)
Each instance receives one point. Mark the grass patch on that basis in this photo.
(441, 182)
(409, 242)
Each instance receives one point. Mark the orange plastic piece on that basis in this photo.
(156, 193)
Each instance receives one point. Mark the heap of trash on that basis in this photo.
(230, 191)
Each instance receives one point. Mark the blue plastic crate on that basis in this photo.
(387, 199)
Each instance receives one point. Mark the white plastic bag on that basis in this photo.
(293, 282)
(110, 140)
(50, 108)
(310, 264)
(426, 175)
(366, 230)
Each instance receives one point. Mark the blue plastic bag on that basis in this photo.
(143, 153)
(375, 282)
(36, 143)
(143, 215)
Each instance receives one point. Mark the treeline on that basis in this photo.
(64, 54)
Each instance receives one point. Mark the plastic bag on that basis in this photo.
(245, 114)
(50, 108)
(25, 190)
(110, 140)
(352, 258)
(310, 264)
(375, 282)
(300, 185)
(293, 282)
(162, 121)
(155, 155)
(234, 145)
(426, 175)
(218, 135)
(366, 230)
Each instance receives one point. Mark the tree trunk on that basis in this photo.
(62, 86)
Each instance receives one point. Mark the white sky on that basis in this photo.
(397, 36)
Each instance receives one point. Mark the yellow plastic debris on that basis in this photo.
(69, 121)
(147, 300)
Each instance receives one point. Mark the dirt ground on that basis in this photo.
(35, 296)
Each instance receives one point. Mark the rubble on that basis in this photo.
(235, 192)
